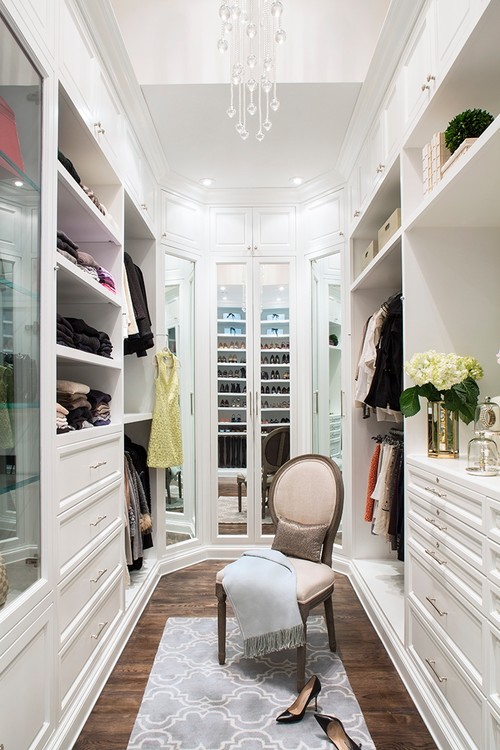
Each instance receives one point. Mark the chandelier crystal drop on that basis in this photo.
(251, 32)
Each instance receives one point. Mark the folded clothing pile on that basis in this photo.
(76, 333)
(69, 166)
(100, 409)
(61, 419)
(73, 397)
(85, 261)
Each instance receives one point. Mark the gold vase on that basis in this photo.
(442, 431)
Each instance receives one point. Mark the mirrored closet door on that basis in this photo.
(327, 353)
(253, 366)
(180, 485)
(20, 142)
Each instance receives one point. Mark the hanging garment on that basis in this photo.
(6, 399)
(142, 340)
(165, 440)
(372, 481)
(386, 386)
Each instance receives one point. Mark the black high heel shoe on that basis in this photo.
(296, 711)
(334, 730)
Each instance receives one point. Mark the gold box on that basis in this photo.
(369, 254)
(389, 227)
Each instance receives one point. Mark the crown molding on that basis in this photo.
(398, 25)
(102, 28)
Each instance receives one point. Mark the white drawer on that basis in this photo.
(78, 655)
(493, 561)
(448, 680)
(80, 588)
(493, 519)
(465, 540)
(87, 523)
(447, 566)
(451, 612)
(87, 462)
(458, 501)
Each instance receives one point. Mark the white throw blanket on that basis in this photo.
(262, 588)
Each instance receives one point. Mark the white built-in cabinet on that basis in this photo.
(255, 231)
(437, 612)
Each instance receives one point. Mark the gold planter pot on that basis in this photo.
(442, 431)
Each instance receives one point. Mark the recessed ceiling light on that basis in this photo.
(297, 180)
(18, 183)
(207, 181)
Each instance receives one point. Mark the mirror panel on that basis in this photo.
(20, 144)
(180, 484)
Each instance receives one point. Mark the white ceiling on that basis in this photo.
(172, 45)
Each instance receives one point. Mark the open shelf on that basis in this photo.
(74, 285)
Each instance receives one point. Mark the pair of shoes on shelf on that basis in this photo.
(332, 727)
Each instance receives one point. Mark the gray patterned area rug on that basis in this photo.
(193, 703)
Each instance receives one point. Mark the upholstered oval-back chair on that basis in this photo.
(309, 490)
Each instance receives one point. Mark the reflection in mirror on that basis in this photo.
(20, 136)
(327, 380)
(232, 422)
(179, 338)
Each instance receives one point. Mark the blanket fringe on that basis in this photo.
(277, 641)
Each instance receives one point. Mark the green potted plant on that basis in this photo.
(468, 124)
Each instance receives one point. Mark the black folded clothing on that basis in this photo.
(98, 397)
(64, 238)
(67, 164)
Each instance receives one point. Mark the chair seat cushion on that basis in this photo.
(312, 578)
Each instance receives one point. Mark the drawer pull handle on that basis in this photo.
(102, 625)
(101, 518)
(100, 574)
(435, 491)
(432, 602)
(99, 463)
(431, 664)
(435, 557)
(435, 523)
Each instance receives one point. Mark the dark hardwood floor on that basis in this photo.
(392, 719)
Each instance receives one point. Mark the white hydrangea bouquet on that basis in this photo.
(449, 378)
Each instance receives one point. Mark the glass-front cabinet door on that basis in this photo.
(180, 485)
(20, 142)
(253, 365)
(326, 361)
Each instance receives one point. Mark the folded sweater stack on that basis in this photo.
(76, 333)
(100, 409)
(73, 397)
(61, 419)
(69, 166)
(85, 261)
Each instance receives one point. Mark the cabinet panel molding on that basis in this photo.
(181, 221)
(324, 221)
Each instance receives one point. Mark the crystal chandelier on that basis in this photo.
(251, 29)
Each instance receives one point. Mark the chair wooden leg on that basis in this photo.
(221, 622)
(330, 623)
(301, 665)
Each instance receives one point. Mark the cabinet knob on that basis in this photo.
(249, 247)
(341, 234)
(255, 247)
(144, 206)
(356, 214)
(164, 234)
(426, 85)
(380, 168)
(99, 127)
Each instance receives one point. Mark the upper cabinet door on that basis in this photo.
(231, 230)
(273, 231)
(323, 221)
(181, 221)
(418, 69)
(77, 65)
(453, 20)
(108, 121)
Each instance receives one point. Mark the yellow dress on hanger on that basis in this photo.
(165, 440)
